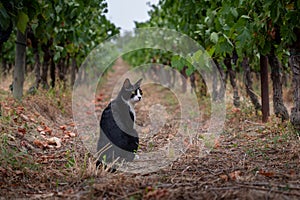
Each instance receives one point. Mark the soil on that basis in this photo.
(43, 157)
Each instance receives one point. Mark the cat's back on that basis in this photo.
(107, 118)
(106, 114)
(113, 108)
(114, 117)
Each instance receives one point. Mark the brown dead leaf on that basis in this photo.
(66, 137)
(5, 107)
(42, 123)
(36, 114)
(235, 175)
(39, 129)
(44, 130)
(54, 141)
(266, 173)
(32, 120)
(292, 172)
(70, 134)
(21, 130)
(20, 109)
(15, 119)
(24, 117)
(217, 143)
(224, 177)
(63, 127)
(40, 144)
(99, 98)
(236, 110)
(47, 130)
(18, 172)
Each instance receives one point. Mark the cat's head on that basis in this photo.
(132, 93)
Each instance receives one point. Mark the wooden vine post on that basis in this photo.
(264, 88)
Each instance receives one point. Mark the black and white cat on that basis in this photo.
(119, 140)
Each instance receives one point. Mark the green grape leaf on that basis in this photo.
(22, 21)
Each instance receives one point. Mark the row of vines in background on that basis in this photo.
(57, 34)
(240, 36)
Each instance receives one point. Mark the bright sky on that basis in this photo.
(123, 13)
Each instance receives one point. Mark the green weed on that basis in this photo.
(70, 159)
(12, 156)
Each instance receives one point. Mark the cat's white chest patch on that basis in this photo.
(131, 107)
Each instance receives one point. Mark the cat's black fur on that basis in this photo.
(117, 131)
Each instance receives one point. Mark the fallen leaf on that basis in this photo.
(217, 143)
(224, 177)
(63, 127)
(20, 109)
(6, 107)
(292, 172)
(40, 144)
(235, 175)
(54, 141)
(39, 129)
(235, 110)
(66, 136)
(265, 173)
(24, 117)
(99, 98)
(22, 130)
(32, 120)
(36, 114)
(70, 134)
(47, 130)
(42, 123)
(15, 119)
(19, 172)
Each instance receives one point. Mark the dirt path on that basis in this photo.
(249, 161)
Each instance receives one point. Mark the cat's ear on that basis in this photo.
(138, 83)
(127, 85)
